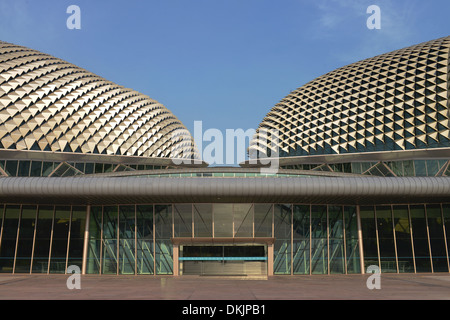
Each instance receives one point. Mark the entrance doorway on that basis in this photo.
(226, 259)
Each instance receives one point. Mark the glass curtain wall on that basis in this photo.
(406, 238)
(309, 239)
(41, 239)
(315, 239)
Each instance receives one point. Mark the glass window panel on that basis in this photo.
(336, 239)
(301, 256)
(110, 222)
(419, 229)
(77, 227)
(36, 167)
(403, 238)
(25, 242)
(386, 239)
(47, 168)
(9, 237)
(126, 239)
(223, 220)
(145, 245)
(263, 220)
(301, 221)
(42, 242)
(301, 242)
(109, 244)
(109, 260)
(164, 257)
(145, 260)
(420, 168)
(89, 168)
(93, 256)
(144, 222)
(446, 213)
(437, 241)
(432, 167)
(163, 221)
(163, 245)
(11, 168)
(94, 251)
(59, 243)
(202, 220)
(282, 234)
(319, 249)
(182, 220)
(24, 168)
(243, 220)
(351, 240)
(408, 168)
(370, 246)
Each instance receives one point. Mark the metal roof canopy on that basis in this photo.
(135, 190)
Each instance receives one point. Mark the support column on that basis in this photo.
(270, 259)
(175, 260)
(360, 240)
(86, 240)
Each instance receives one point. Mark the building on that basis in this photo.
(89, 175)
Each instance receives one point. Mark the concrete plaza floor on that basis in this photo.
(315, 287)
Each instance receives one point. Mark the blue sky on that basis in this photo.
(225, 62)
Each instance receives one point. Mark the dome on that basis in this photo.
(394, 101)
(47, 104)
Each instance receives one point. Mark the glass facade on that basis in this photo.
(406, 238)
(37, 168)
(41, 239)
(307, 238)
(404, 168)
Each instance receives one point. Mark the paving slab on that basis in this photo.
(305, 287)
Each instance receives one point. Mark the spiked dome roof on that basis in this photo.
(47, 104)
(394, 101)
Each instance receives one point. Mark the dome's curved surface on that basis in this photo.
(47, 104)
(394, 101)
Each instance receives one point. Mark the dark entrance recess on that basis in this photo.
(235, 260)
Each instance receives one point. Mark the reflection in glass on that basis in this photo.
(243, 219)
(420, 237)
(386, 239)
(60, 238)
(95, 236)
(282, 234)
(319, 247)
(42, 242)
(182, 216)
(336, 239)
(77, 227)
(202, 220)
(437, 242)
(402, 229)
(223, 220)
(301, 243)
(144, 245)
(351, 240)
(163, 244)
(127, 226)
(109, 244)
(370, 245)
(263, 219)
(25, 242)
